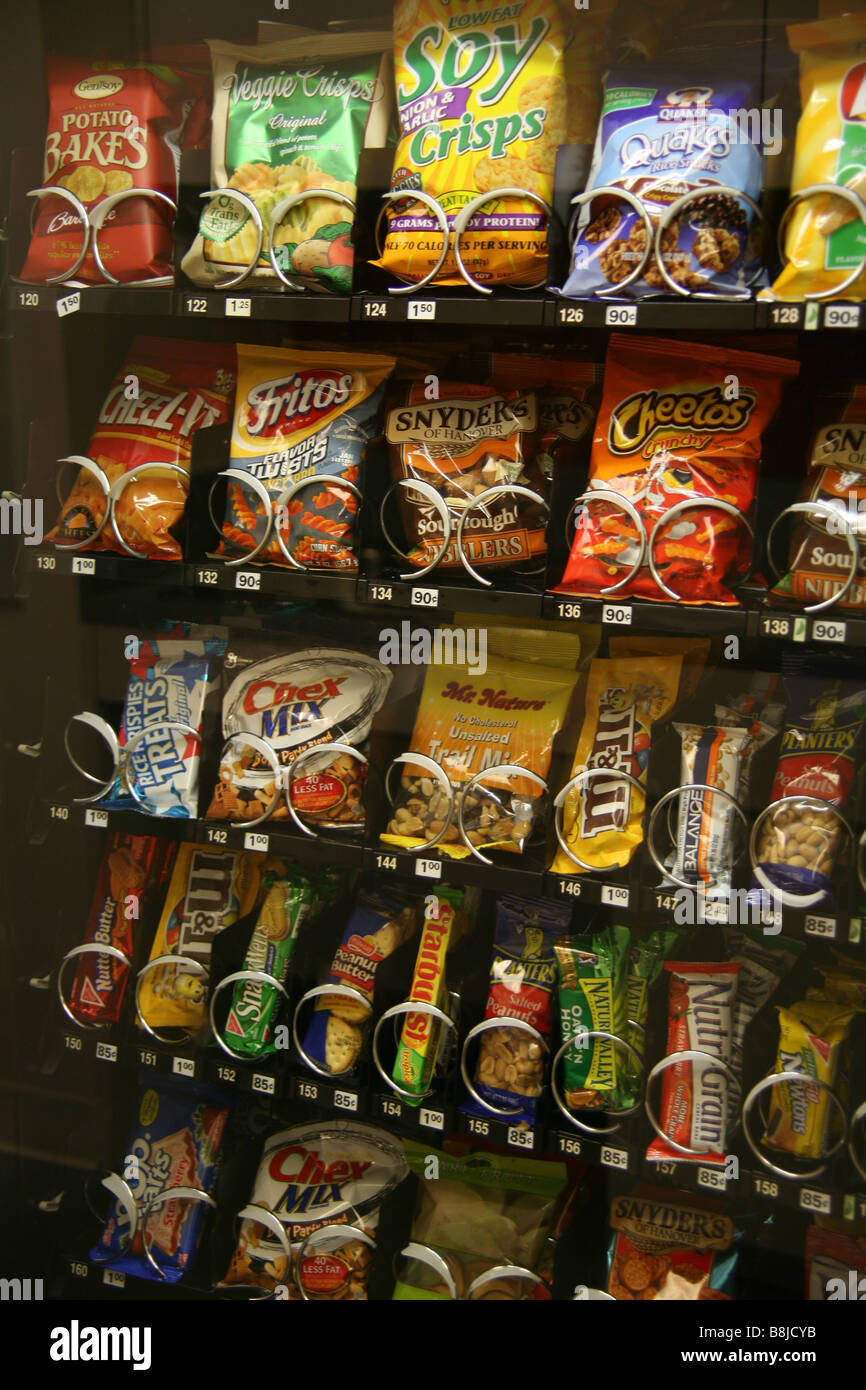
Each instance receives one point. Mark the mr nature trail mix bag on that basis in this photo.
(165, 391)
(290, 117)
(678, 422)
(483, 105)
(297, 415)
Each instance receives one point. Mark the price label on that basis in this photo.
(248, 579)
(785, 316)
(570, 1146)
(72, 1042)
(813, 1200)
(620, 315)
(431, 1119)
(346, 1100)
(520, 1138)
(228, 1074)
(614, 896)
(207, 576)
(215, 836)
(716, 912)
(195, 304)
(841, 316)
(428, 868)
(308, 1090)
(711, 1177)
(775, 627)
(99, 819)
(617, 614)
(58, 812)
(83, 564)
(375, 309)
(238, 308)
(823, 631)
(614, 1158)
(263, 1083)
(765, 1187)
(424, 309)
(481, 1127)
(69, 304)
(392, 1108)
(253, 839)
(820, 926)
(424, 598)
(183, 1066)
(569, 313)
(114, 1278)
(387, 861)
(28, 299)
(46, 562)
(379, 593)
(147, 1058)
(569, 888)
(78, 1269)
(568, 610)
(106, 1052)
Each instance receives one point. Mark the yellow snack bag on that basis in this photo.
(209, 889)
(811, 1036)
(483, 105)
(694, 650)
(602, 822)
(825, 239)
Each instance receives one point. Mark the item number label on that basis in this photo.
(424, 598)
(391, 1108)
(263, 1083)
(376, 309)
(569, 1146)
(842, 316)
(569, 888)
(520, 1138)
(828, 632)
(254, 840)
(766, 1187)
(248, 579)
(215, 836)
(28, 299)
(481, 1127)
(387, 861)
(428, 868)
(195, 305)
(238, 308)
(59, 812)
(83, 564)
(227, 1074)
(207, 577)
(183, 1066)
(617, 614)
(788, 315)
(568, 610)
(620, 315)
(431, 1119)
(813, 1200)
(345, 1100)
(69, 304)
(146, 1058)
(78, 1269)
(775, 627)
(614, 896)
(820, 926)
(614, 1158)
(421, 309)
(106, 1052)
(380, 593)
(73, 1043)
(96, 818)
(569, 313)
(711, 1177)
(308, 1090)
(46, 562)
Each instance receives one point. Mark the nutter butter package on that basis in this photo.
(593, 997)
(812, 1038)
(445, 921)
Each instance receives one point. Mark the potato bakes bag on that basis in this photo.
(483, 105)
(679, 422)
(602, 821)
(294, 702)
(813, 1034)
(669, 1247)
(209, 889)
(290, 117)
(377, 925)
(176, 1142)
(593, 997)
(327, 1173)
(112, 126)
(825, 239)
(165, 391)
(446, 919)
(131, 873)
(663, 133)
(299, 415)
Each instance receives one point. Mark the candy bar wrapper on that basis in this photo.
(209, 889)
(522, 980)
(668, 1248)
(593, 996)
(764, 962)
(132, 871)
(168, 681)
(444, 923)
(812, 1035)
(176, 1143)
(706, 825)
(645, 964)
(695, 1097)
(377, 925)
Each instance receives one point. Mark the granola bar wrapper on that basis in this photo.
(165, 391)
(825, 240)
(483, 105)
(764, 962)
(290, 117)
(176, 1142)
(707, 824)
(669, 431)
(209, 889)
(132, 871)
(593, 996)
(812, 1038)
(328, 1173)
(646, 960)
(664, 133)
(602, 822)
(695, 1098)
(669, 1248)
(445, 921)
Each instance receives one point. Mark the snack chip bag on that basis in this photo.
(825, 239)
(445, 921)
(165, 391)
(290, 118)
(567, 402)
(602, 821)
(674, 429)
(663, 134)
(593, 997)
(812, 1036)
(669, 1248)
(483, 105)
(298, 416)
(694, 651)
(209, 889)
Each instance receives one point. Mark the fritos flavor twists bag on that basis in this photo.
(674, 428)
(164, 392)
(112, 126)
(483, 105)
(825, 240)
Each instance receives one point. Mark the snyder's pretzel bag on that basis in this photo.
(670, 1248)
(112, 126)
(299, 416)
(165, 391)
(445, 921)
(209, 889)
(176, 1142)
(319, 696)
(131, 873)
(812, 1038)
(663, 134)
(289, 118)
(329, 1173)
(593, 997)
(819, 557)
(602, 820)
(825, 239)
(483, 105)
(670, 431)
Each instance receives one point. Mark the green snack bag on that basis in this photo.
(593, 997)
(646, 959)
(418, 1051)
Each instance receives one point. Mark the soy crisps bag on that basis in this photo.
(483, 105)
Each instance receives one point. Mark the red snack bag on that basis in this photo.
(678, 422)
(164, 391)
(133, 868)
(112, 126)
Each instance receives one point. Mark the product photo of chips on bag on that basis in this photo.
(291, 118)
(165, 391)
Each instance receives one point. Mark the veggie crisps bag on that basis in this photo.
(299, 415)
(289, 117)
(483, 105)
(165, 391)
(674, 428)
